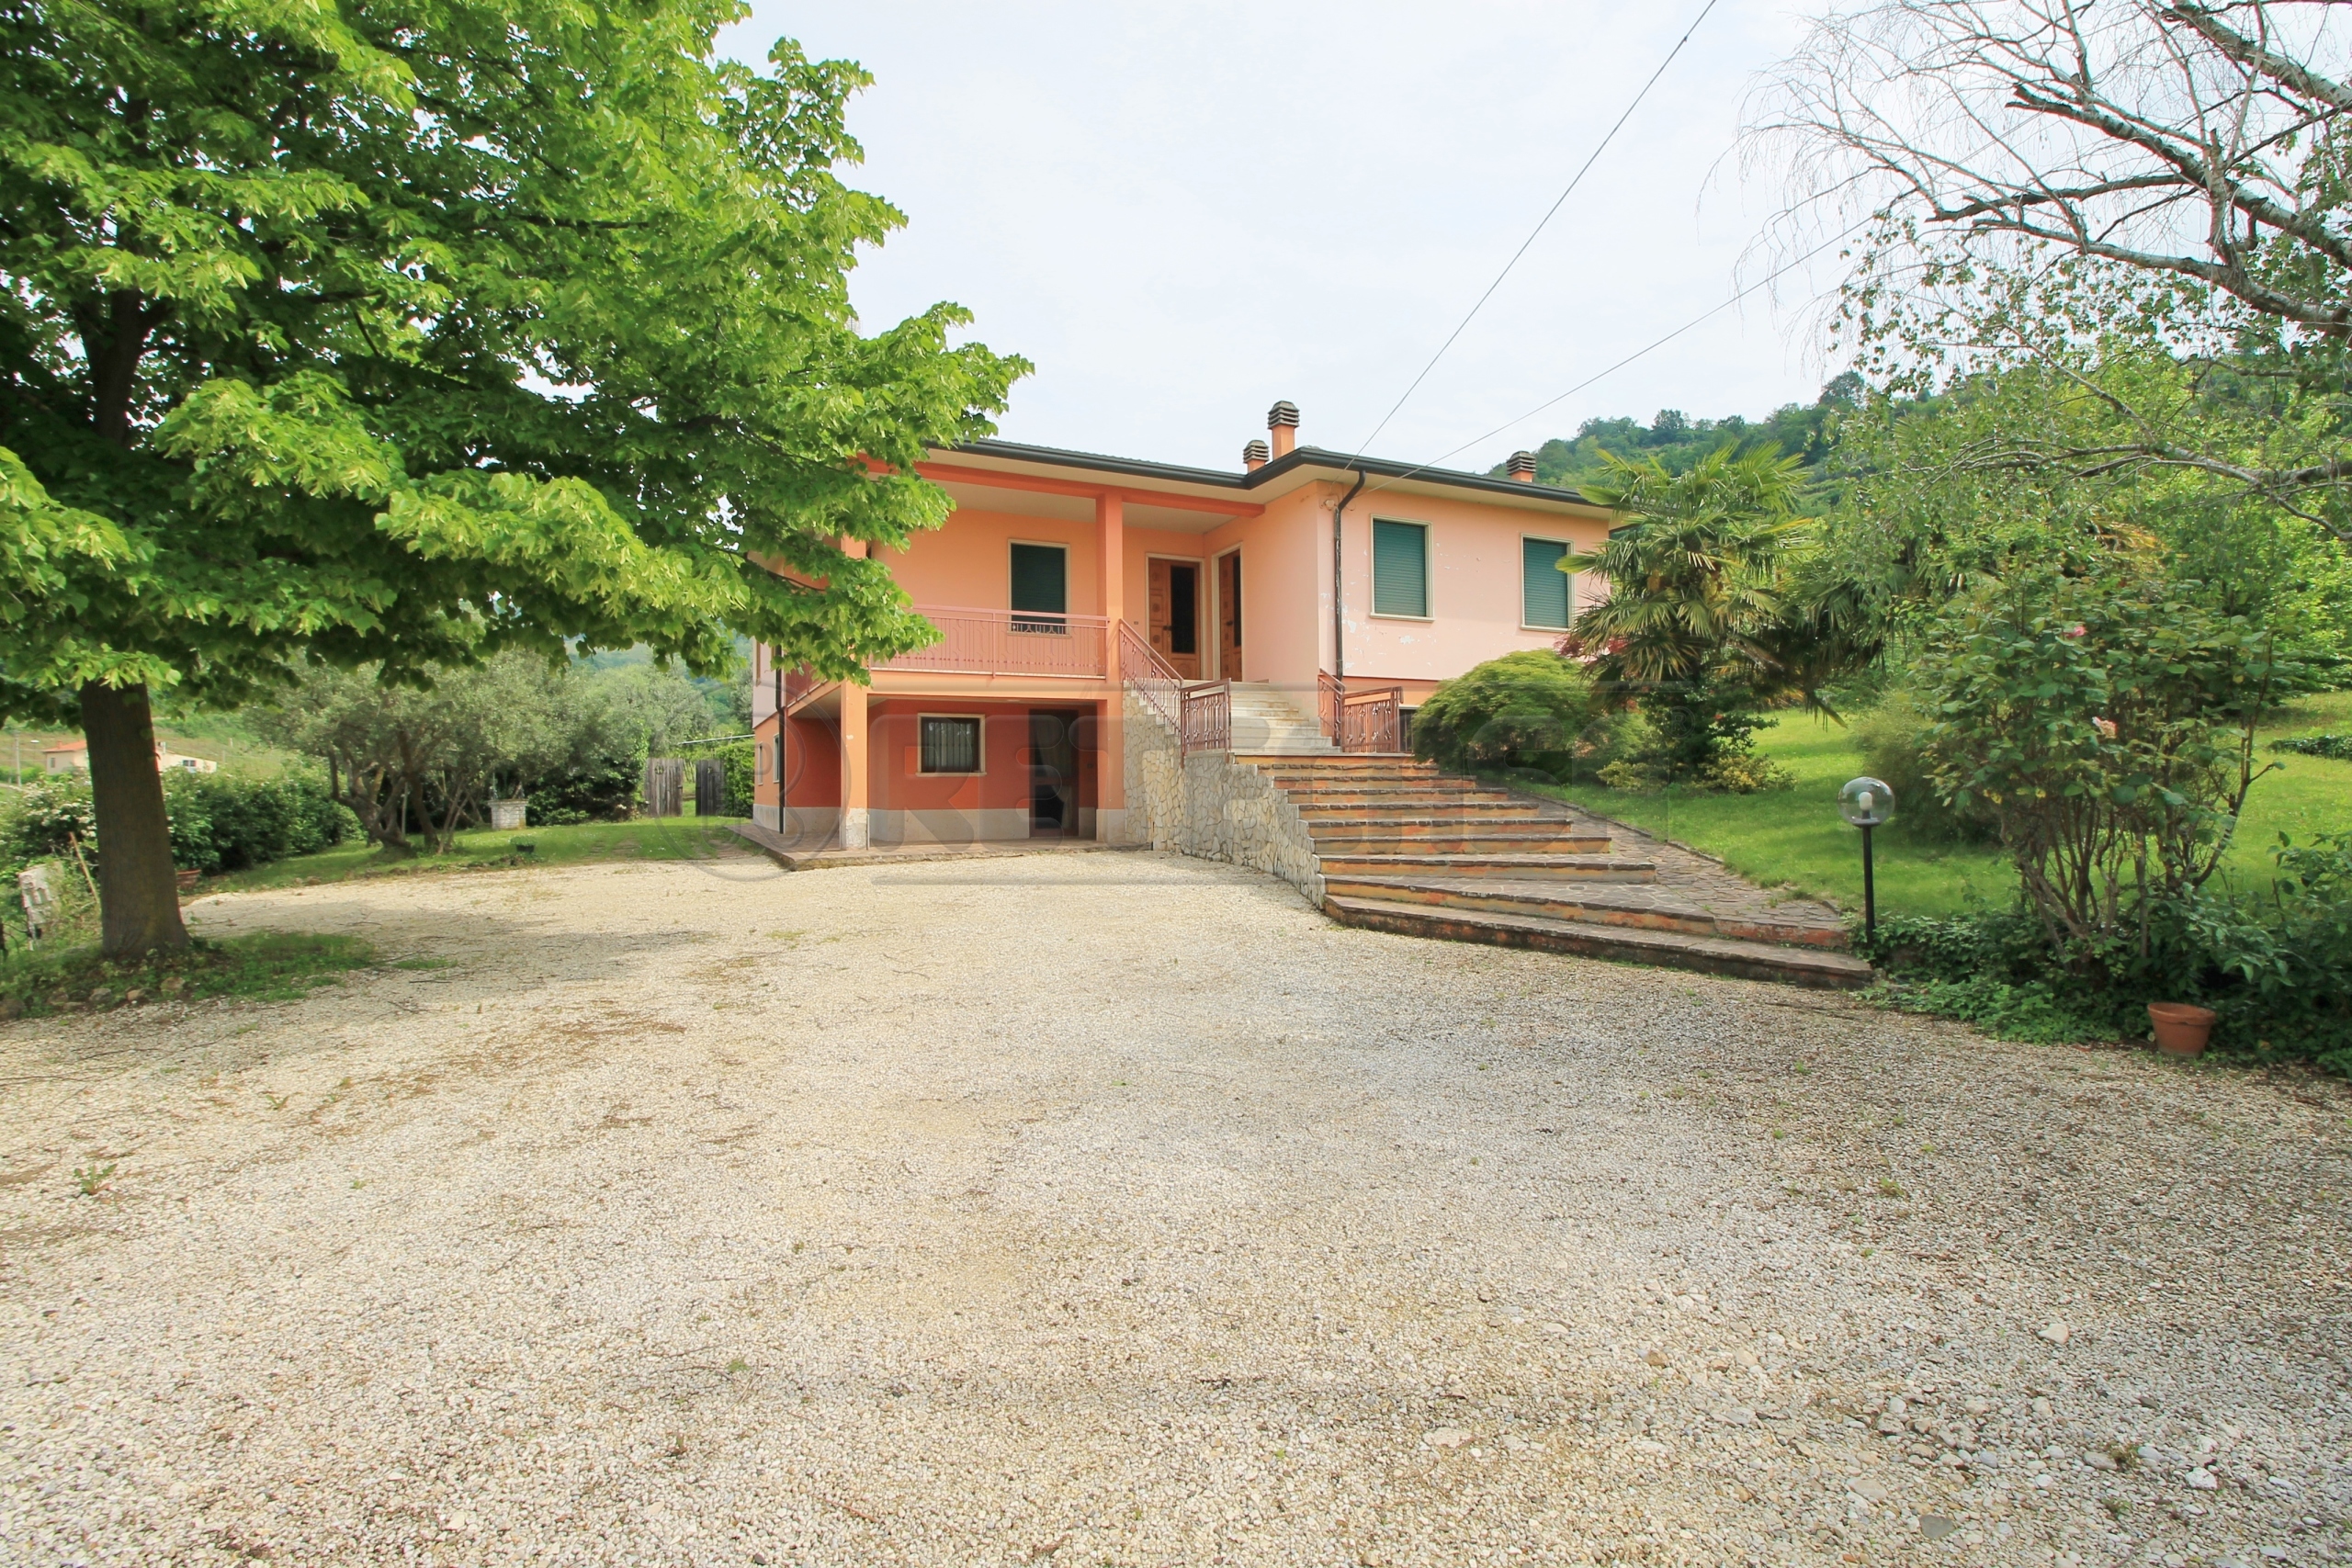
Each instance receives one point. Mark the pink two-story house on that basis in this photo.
(1308, 599)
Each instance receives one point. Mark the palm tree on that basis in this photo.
(1694, 578)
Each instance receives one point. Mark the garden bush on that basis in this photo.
(2104, 721)
(1892, 736)
(599, 788)
(50, 816)
(1524, 710)
(2275, 965)
(219, 821)
(2337, 747)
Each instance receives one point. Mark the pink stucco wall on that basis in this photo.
(1475, 599)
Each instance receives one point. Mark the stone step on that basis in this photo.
(1650, 909)
(1352, 803)
(1394, 763)
(1583, 859)
(1715, 956)
(1358, 844)
(1317, 781)
(1409, 824)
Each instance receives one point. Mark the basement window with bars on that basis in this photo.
(1400, 569)
(951, 745)
(1546, 596)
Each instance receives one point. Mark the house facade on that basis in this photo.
(1337, 589)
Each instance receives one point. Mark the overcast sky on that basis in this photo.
(1183, 212)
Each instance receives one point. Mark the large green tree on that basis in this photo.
(402, 332)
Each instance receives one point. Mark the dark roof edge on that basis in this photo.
(1299, 457)
(1386, 468)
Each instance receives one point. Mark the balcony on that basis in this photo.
(1007, 642)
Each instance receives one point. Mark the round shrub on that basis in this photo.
(1523, 710)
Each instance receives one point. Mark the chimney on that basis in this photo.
(1281, 420)
(1254, 454)
(1522, 467)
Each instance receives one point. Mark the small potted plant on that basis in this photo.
(2181, 1029)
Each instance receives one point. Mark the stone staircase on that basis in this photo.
(1266, 723)
(1405, 848)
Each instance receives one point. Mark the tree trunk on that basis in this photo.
(139, 898)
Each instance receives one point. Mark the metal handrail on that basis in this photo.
(1199, 714)
(1208, 717)
(1372, 721)
(1152, 677)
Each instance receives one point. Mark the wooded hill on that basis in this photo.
(1678, 441)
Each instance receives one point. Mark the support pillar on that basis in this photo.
(853, 833)
(1110, 730)
(854, 767)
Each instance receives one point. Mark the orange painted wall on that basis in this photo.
(813, 758)
(968, 561)
(1473, 586)
(900, 784)
(894, 739)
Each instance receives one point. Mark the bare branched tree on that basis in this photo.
(2178, 170)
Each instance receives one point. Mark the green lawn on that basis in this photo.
(1795, 837)
(667, 838)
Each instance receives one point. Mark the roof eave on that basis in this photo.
(1296, 464)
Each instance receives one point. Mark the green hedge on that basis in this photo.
(219, 821)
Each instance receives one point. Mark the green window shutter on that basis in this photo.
(1400, 569)
(1041, 579)
(1543, 590)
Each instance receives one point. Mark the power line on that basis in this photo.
(1549, 214)
(1646, 348)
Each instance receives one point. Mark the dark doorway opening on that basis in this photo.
(1053, 773)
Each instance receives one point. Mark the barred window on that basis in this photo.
(951, 745)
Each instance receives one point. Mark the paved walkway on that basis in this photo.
(1688, 879)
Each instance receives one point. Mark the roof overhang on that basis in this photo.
(1194, 499)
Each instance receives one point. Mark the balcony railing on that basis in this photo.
(1010, 642)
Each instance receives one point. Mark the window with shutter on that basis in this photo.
(1040, 584)
(1400, 569)
(951, 745)
(1546, 593)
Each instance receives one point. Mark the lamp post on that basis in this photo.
(1867, 802)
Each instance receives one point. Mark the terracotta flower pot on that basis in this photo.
(2181, 1030)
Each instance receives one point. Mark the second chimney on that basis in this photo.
(1522, 467)
(1282, 424)
(1253, 456)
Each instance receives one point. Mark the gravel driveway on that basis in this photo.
(1116, 1209)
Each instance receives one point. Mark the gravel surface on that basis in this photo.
(1118, 1208)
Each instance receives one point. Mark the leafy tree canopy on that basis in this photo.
(404, 332)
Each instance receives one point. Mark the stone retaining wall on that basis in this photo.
(1209, 806)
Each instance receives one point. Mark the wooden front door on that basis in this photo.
(1228, 616)
(1176, 615)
